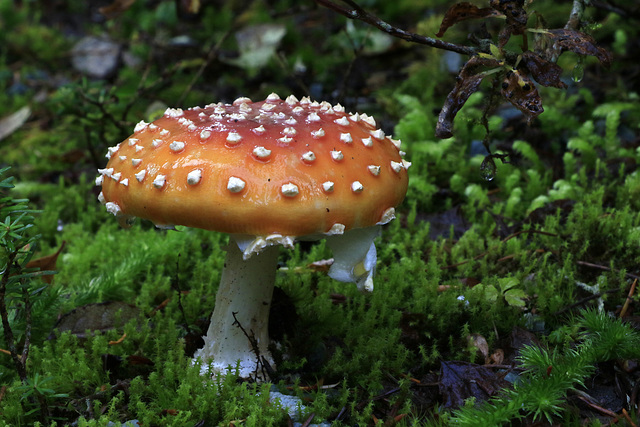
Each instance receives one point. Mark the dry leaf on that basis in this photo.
(96, 318)
(116, 8)
(480, 344)
(467, 82)
(544, 72)
(191, 7)
(462, 380)
(461, 12)
(516, 18)
(580, 43)
(497, 357)
(514, 11)
(46, 263)
(520, 91)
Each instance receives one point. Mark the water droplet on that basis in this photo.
(125, 221)
(488, 169)
(578, 72)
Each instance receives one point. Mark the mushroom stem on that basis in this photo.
(238, 335)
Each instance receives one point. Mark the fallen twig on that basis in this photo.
(625, 307)
(605, 268)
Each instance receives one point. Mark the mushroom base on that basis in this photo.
(238, 336)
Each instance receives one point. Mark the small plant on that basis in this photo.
(35, 390)
(506, 290)
(18, 289)
(550, 375)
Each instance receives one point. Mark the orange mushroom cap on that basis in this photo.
(287, 167)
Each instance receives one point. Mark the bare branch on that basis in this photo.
(8, 332)
(213, 54)
(576, 15)
(353, 11)
(27, 329)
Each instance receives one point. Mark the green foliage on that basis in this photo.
(17, 246)
(506, 291)
(36, 388)
(550, 374)
(17, 220)
(22, 297)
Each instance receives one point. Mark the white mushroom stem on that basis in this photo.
(238, 332)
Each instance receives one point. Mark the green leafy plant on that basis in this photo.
(506, 290)
(35, 389)
(550, 374)
(18, 289)
(16, 245)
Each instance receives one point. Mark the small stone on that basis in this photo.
(96, 57)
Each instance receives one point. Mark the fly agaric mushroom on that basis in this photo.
(268, 173)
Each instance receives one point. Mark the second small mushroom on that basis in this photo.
(268, 173)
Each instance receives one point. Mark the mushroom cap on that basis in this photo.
(285, 167)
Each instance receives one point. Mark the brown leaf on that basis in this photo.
(469, 282)
(497, 357)
(99, 317)
(521, 337)
(461, 380)
(480, 344)
(46, 263)
(139, 360)
(191, 7)
(520, 91)
(513, 10)
(544, 72)
(467, 83)
(461, 12)
(516, 18)
(116, 8)
(580, 43)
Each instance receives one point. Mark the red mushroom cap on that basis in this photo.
(285, 167)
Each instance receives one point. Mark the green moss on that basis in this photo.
(540, 393)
